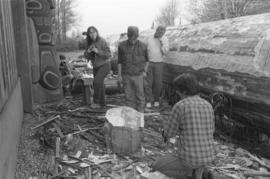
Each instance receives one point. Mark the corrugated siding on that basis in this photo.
(8, 68)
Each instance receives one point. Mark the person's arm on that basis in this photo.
(120, 60)
(147, 60)
(164, 45)
(171, 126)
(145, 68)
(105, 51)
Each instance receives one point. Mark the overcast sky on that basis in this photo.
(114, 16)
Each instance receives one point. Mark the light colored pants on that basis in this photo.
(153, 81)
(134, 92)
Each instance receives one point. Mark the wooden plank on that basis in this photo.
(22, 52)
(58, 130)
(46, 122)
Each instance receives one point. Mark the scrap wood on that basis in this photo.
(234, 167)
(57, 154)
(98, 136)
(112, 105)
(87, 161)
(98, 118)
(125, 166)
(89, 173)
(261, 162)
(152, 114)
(154, 134)
(257, 173)
(72, 165)
(46, 122)
(83, 130)
(57, 148)
(69, 177)
(56, 175)
(232, 174)
(58, 130)
(77, 109)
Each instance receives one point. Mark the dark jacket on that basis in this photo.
(103, 54)
(132, 57)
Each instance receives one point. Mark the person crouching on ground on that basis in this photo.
(192, 119)
(132, 67)
(99, 53)
(157, 46)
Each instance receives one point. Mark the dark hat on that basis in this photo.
(133, 31)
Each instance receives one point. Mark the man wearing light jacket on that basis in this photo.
(157, 46)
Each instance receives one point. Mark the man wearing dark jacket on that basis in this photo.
(132, 67)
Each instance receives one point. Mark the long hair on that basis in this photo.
(90, 41)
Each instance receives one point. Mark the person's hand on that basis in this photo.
(95, 50)
(89, 50)
(92, 49)
(144, 74)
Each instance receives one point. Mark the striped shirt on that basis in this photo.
(193, 120)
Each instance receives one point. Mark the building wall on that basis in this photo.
(11, 103)
(10, 125)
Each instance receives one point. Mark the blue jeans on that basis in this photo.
(134, 92)
(153, 81)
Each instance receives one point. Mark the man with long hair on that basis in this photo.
(98, 52)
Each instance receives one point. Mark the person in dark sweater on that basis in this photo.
(132, 68)
(98, 51)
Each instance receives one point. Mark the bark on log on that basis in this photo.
(230, 56)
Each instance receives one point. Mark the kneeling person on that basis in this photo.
(192, 118)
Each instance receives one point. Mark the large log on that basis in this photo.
(230, 56)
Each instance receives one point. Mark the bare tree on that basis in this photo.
(169, 13)
(211, 10)
(65, 17)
